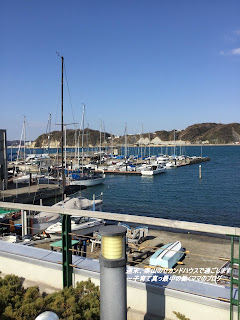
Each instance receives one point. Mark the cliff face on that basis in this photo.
(212, 133)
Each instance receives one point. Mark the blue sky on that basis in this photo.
(161, 64)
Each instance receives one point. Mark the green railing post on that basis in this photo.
(233, 301)
(66, 253)
(238, 276)
(231, 278)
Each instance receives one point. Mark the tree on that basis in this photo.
(17, 303)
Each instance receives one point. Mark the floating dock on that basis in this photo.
(181, 163)
(136, 173)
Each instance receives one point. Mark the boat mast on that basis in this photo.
(66, 220)
(49, 137)
(83, 134)
(111, 145)
(24, 138)
(174, 143)
(24, 141)
(87, 139)
(65, 146)
(100, 142)
(63, 172)
(149, 146)
(125, 153)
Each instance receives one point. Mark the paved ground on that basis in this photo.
(203, 251)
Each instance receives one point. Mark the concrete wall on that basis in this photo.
(144, 300)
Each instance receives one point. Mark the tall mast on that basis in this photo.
(111, 145)
(24, 139)
(149, 146)
(125, 153)
(65, 146)
(83, 134)
(174, 142)
(78, 160)
(87, 139)
(49, 137)
(100, 142)
(63, 172)
(75, 144)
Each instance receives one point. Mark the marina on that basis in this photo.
(80, 231)
(202, 200)
(120, 161)
(155, 226)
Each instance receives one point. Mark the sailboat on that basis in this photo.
(45, 220)
(86, 177)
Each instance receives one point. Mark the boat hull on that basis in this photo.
(152, 172)
(168, 255)
(44, 220)
(87, 182)
(80, 229)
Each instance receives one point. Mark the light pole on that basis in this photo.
(113, 284)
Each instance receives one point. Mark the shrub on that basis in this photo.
(80, 303)
(180, 316)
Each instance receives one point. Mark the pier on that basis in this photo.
(35, 193)
(31, 194)
(180, 163)
(117, 172)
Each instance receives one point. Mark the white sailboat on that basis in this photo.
(87, 178)
(44, 220)
(80, 225)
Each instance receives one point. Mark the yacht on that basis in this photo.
(79, 225)
(151, 170)
(88, 180)
(43, 220)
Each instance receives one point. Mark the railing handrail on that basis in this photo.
(143, 220)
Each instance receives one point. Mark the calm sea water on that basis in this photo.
(179, 193)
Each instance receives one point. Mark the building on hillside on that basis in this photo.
(3, 160)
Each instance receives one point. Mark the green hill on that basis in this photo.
(212, 133)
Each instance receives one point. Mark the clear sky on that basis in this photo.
(161, 64)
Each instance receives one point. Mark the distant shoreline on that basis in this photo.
(144, 146)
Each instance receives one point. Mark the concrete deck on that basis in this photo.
(30, 194)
